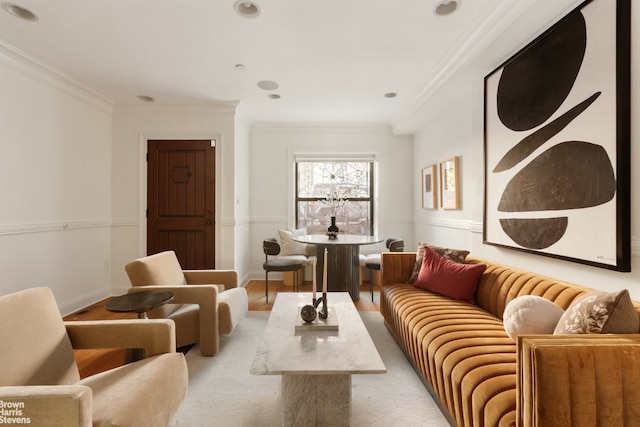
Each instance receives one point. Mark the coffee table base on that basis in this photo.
(316, 400)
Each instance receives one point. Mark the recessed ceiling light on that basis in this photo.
(268, 85)
(146, 98)
(240, 67)
(19, 12)
(390, 95)
(247, 8)
(446, 7)
(274, 96)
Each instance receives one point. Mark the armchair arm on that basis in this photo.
(228, 278)
(585, 380)
(51, 405)
(206, 296)
(155, 336)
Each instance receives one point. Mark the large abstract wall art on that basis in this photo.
(557, 141)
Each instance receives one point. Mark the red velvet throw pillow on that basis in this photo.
(448, 278)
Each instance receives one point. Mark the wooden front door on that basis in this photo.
(181, 200)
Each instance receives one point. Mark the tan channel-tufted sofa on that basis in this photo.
(483, 378)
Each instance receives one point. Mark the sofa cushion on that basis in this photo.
(530, 314)
(112, 406)
(456, 255)
(600, 313)
(449, 278)
(233, 305)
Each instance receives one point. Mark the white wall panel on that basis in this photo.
(55, 183)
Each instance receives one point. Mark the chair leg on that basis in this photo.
(295, 280)
(371, 286)
(266, 286)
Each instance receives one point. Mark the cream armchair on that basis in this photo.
(206, 303)
(40, 383)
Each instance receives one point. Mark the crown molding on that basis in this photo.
(324, 127)
(479, 37)
(33, 68)
(216, 107)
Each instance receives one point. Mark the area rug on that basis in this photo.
(222, 392)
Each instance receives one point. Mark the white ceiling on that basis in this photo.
(334, 60)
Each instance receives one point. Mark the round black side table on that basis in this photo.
(138, 302)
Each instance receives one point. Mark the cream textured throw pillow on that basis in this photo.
(530, 314)
(600, 313)
(289, 246)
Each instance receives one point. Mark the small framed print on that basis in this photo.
(429, 193)
(449, 186)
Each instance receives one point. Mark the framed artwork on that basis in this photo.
(429, 193)
(449, 186)
(557, 141)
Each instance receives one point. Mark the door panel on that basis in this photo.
(181, 201)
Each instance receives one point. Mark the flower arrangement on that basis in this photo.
(335, 202)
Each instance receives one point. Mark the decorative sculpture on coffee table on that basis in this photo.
(310, 312)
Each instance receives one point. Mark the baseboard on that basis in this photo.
(83, 301)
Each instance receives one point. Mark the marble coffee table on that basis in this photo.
(316, 365)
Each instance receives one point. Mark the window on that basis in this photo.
(348, 182)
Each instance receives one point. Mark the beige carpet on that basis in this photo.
(222, 392)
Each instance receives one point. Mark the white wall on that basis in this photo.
(242, 191)
(272, 150)
(453, 125)
(55, 184)
(133, 125)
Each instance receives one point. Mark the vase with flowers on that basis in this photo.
(334, 202)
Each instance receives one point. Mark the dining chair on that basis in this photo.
(271, 248)
(372, 262)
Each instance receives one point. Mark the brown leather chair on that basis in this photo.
(40, 371)
(206, 303)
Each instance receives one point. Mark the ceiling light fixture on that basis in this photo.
(274, 96)
(446, 7)
(390, 95)
(268, 85)
(146, 98)
(19, 12)
(246, 8)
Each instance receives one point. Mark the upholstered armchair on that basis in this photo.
(40, 383)
(206, 303)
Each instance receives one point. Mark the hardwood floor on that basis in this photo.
(91, 362)
(255, 290)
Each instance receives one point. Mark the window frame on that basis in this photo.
(330, 159)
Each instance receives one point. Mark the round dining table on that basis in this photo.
(343, 260)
